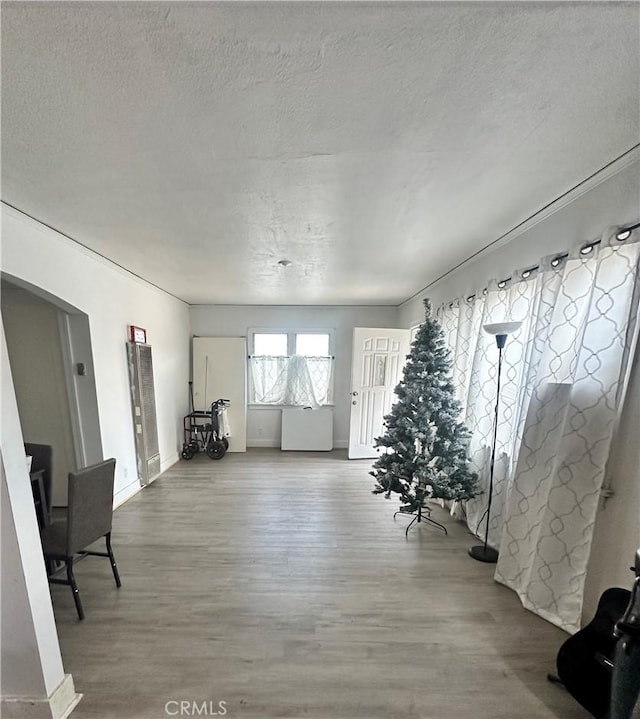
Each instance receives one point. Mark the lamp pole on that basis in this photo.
(483, 552)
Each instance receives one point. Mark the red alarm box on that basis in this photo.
(138, 335)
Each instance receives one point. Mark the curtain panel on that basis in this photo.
(563, 384)
(296, 380)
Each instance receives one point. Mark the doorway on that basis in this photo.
(379, 355)
(49, 349)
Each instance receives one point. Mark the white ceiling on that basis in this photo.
(374, 145)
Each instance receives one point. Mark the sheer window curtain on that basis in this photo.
(296, 380)
(563, 386)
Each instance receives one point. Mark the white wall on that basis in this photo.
(112, 299)
(32, 330)
(613, 202)
(264, 425)
(32, 672)
(82, 390)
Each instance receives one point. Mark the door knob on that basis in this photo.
(354, 402)
(355, 394)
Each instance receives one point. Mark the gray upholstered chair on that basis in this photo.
(88, 519)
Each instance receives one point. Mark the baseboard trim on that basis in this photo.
(124, 494)
(275, 444)
(164, 466)
(58, 706)
(269, 443)
(64, 699)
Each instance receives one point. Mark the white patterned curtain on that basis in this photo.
(562, 389)
(296, 380)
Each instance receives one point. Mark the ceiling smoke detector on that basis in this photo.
(284, 263)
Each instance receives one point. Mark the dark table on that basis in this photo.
(39, 497)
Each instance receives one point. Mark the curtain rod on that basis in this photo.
(277, 356)
(631, 155)
(622, 234)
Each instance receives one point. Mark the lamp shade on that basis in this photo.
(502, 328)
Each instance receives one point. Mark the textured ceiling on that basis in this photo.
(375, 145)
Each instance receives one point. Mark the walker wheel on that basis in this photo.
(216, 449)
(194, 447)
(187, 453)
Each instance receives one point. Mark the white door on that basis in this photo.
(220, 371)
(378, 358)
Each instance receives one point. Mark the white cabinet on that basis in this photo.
(307, 429)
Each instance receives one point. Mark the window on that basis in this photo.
(291, 368)
(316, 345)
(270, 344)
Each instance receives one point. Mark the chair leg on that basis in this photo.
(112, 559)
(74, 587)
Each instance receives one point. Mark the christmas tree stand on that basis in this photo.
(422, 515)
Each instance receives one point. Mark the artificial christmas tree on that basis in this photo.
(425, 444)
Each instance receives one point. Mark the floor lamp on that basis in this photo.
(482, 552)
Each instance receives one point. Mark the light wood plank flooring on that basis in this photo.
(277, 583)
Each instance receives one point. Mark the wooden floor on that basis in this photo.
(277, 583)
